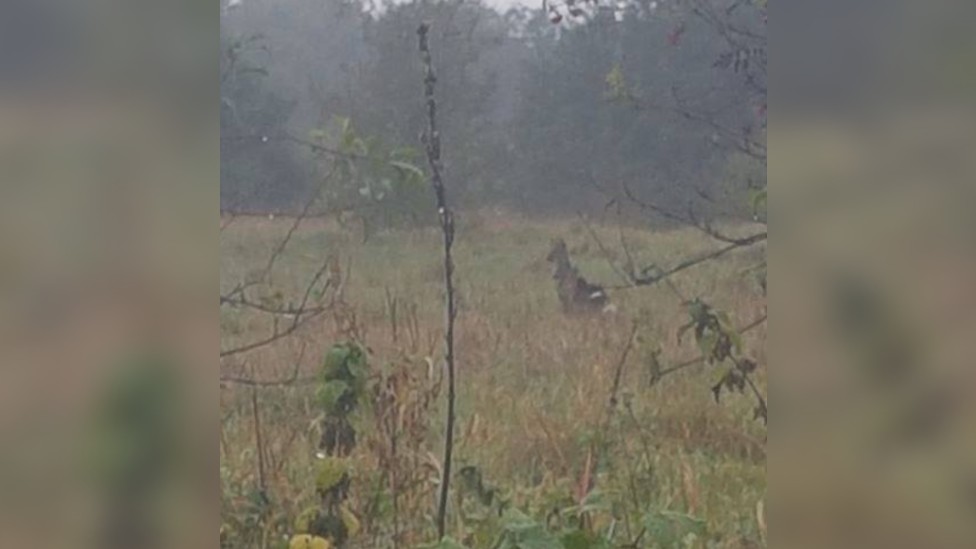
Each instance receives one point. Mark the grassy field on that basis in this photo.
(534, 386)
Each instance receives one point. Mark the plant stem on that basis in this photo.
(432, 143)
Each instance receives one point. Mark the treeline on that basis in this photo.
(536, 116)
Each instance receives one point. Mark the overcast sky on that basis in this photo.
(505, 4)
(500, 4)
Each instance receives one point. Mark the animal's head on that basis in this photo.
(558, 253)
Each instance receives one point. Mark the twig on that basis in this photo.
(648, 280)
(312, 199)
(689, 219)
(292, 379)
(700, 359)
(288, 382)
(257, 439)
(243, 301)
(680, 366)
(592, 457)
(761, 409)
(300, 314)
(630, 258)
(753, 324)
(300, 318)
(432, 143)
(739, 140)
(632, 279)
(618, 374)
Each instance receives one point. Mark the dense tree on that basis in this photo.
(664, 98)
(279, 63)
(382, 97)
(609, 100)
(256, 172)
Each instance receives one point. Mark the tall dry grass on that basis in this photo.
(533, 383)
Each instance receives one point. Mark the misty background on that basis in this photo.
(536, 117)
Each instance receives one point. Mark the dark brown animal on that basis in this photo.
(576, 294)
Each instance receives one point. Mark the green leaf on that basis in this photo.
(616, 84)
(350, 521)
(580, 539)
(334, 363)
(330, 473)
(759, 202)
(698, 311)
(521, 532)
(707, 343)
(305, 541)
(670, 529)
(306, 520)
(721, 378)
(331, 393)
(407, 167)
(736, 340)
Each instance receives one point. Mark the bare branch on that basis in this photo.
(292, 379)
(762, 410)
(302, 316)
(648, 278)
(630, 275)
(618, 374)
(280, 311)
(312, 199)
(740, 140)
(663, 212)
(706, 227)
(298, 315)
(701, 358)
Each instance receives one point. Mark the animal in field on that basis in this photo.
(576, 294)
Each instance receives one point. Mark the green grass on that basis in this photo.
(533, 383)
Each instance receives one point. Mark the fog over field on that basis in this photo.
(492, 274)
(542, 326)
